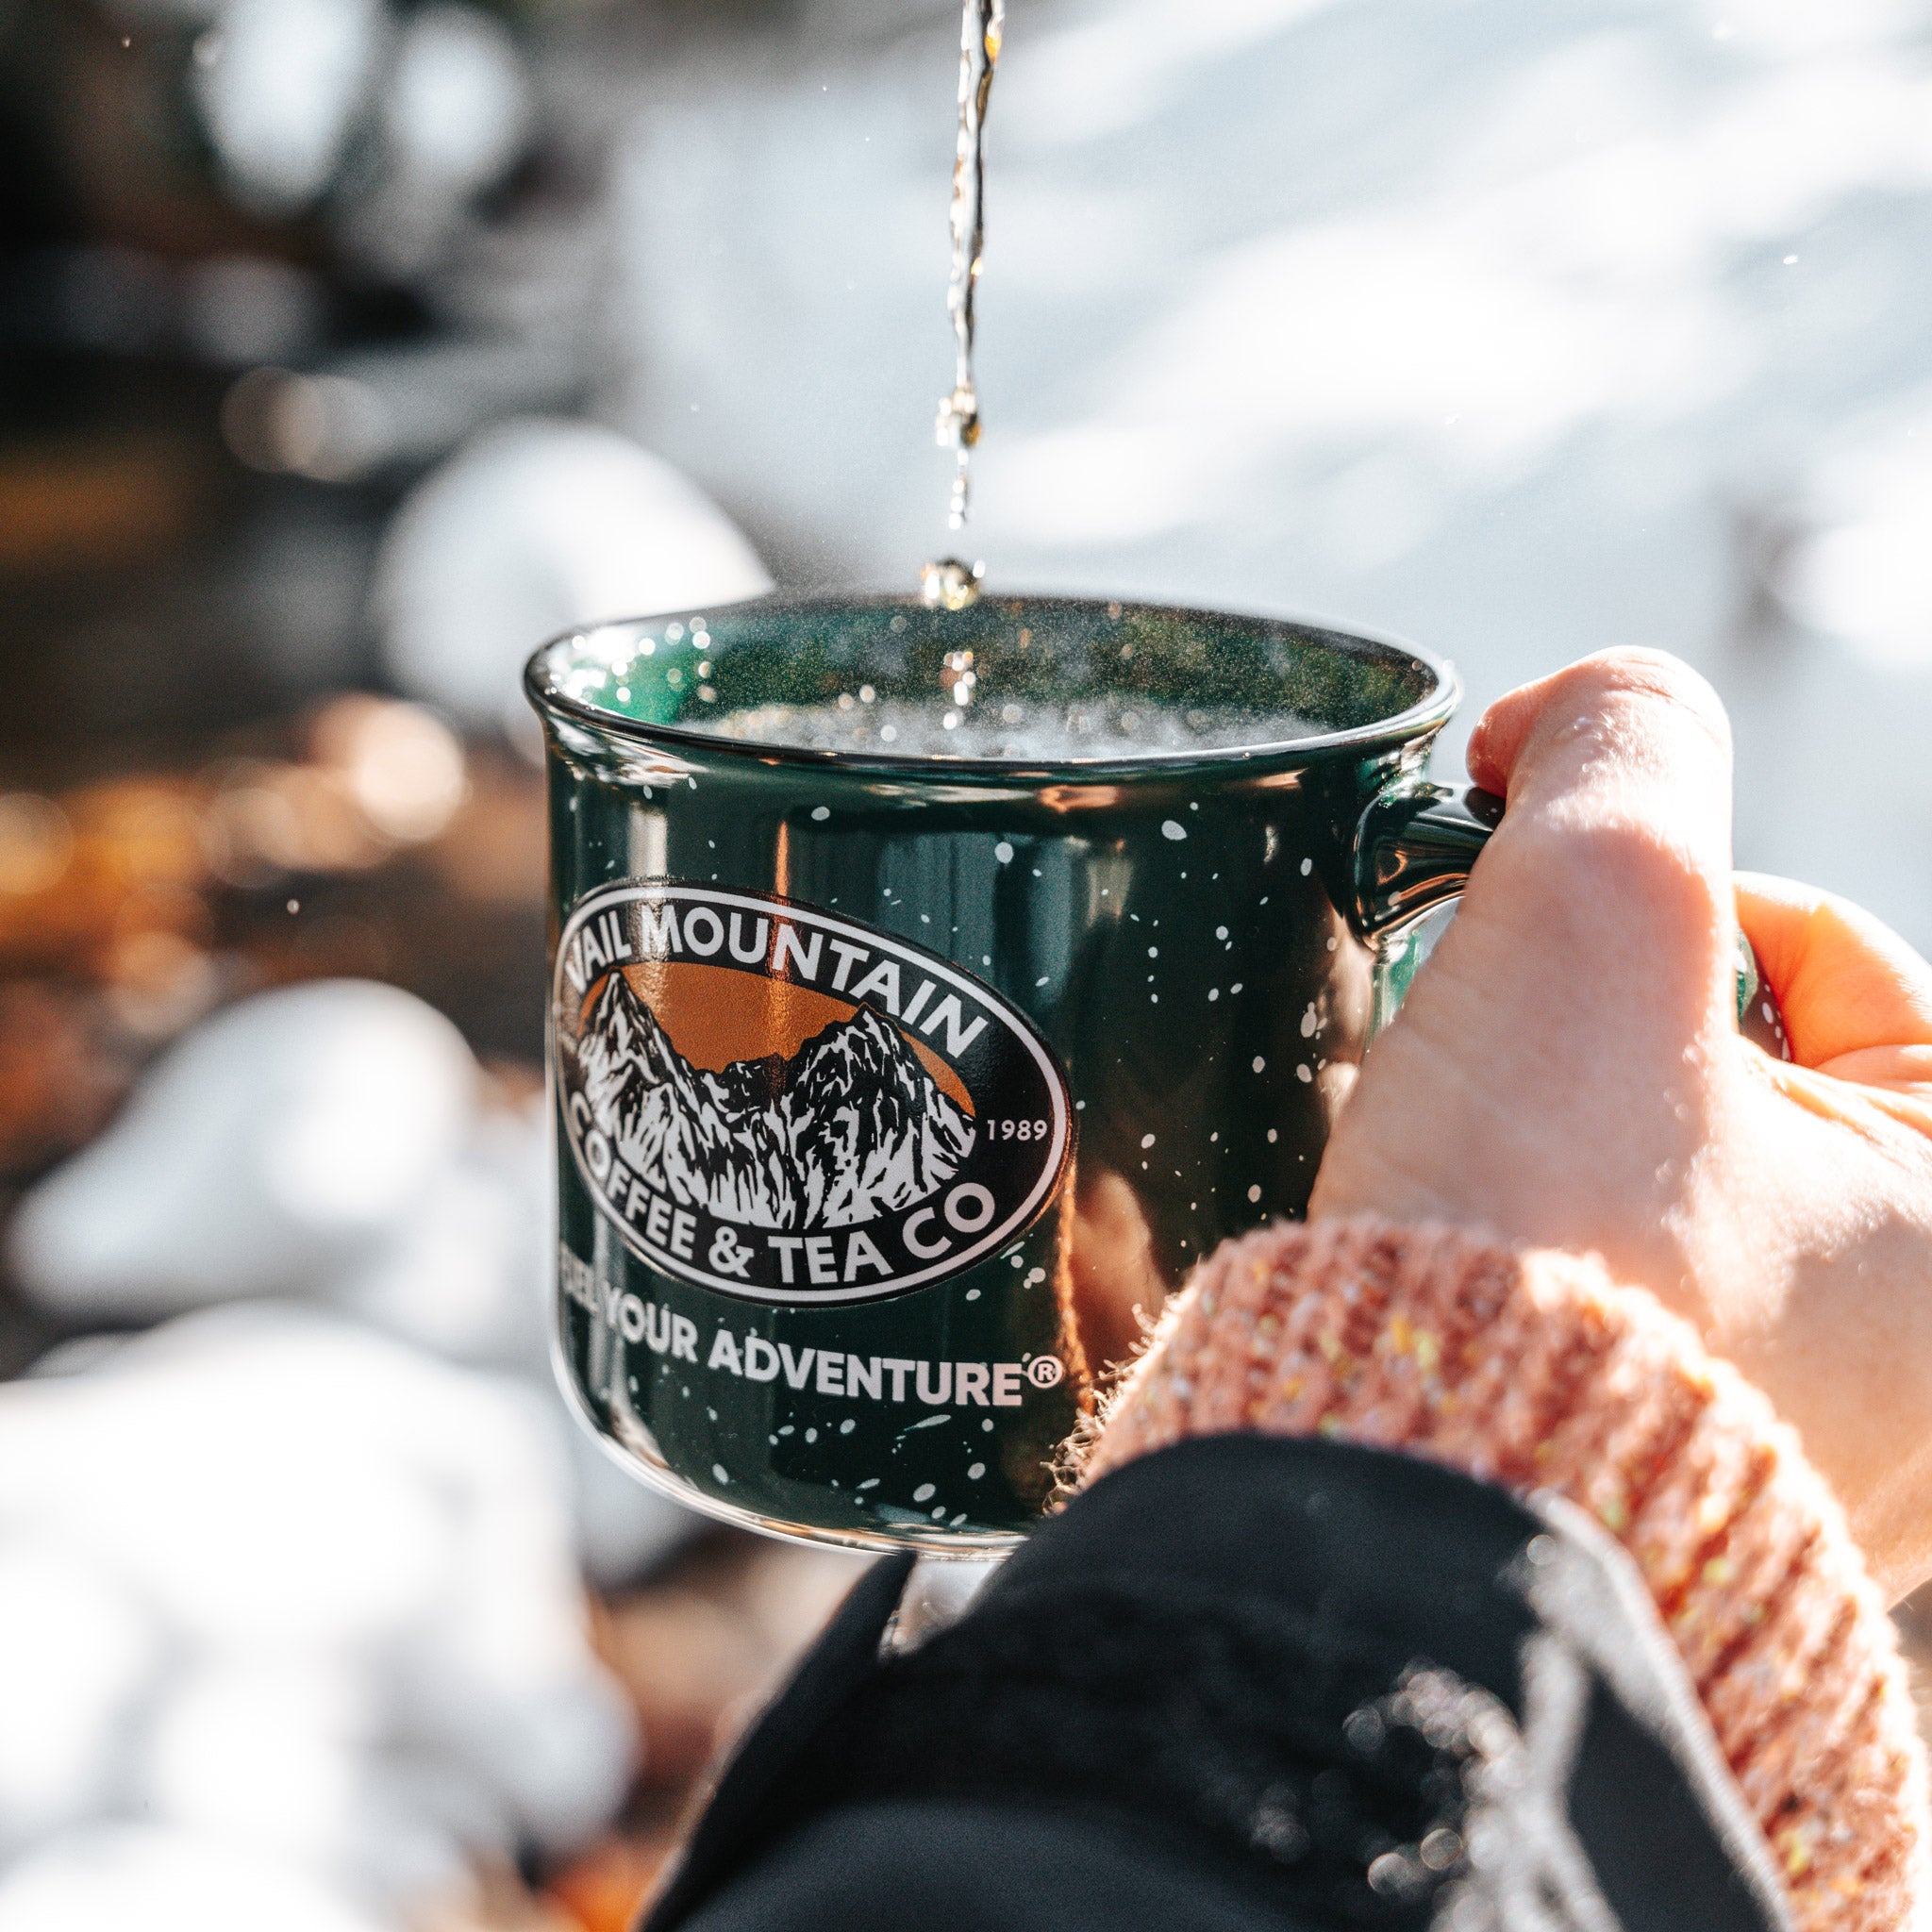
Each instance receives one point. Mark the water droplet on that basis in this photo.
(822, 812)
(925, 1493)
(1172, 829)
(949, 584)
(1004, 852)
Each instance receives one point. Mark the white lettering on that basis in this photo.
(787, 1246)
(684, 1337)
(713, 927)
(912, 1240)
(1006, 1385)
(819, 1260)
(806, 956)
(933, 1397)
(957, 1037)
(757, 950)
(899, 1371)
(884, 980)
(918, 1000)
(630, 1318)
(962, 1203)
(831, 1379)
(861, 1254)
(796, 1367)
(863, 1377)
(848, 958)
(658, 931)
(725, 1352)
(684, 1228)
(760, 1360)
(969, 1383)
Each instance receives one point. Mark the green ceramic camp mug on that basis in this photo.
(932, 990)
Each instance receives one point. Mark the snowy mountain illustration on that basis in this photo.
(850, 1127)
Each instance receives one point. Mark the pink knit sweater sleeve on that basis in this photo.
(1535, 1371)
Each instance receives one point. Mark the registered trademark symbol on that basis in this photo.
(1044, 1371)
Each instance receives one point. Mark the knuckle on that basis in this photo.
(1631, 684)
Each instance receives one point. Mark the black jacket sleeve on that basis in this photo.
(1248, 1682)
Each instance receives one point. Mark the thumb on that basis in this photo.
(1612, 864)
(1551, 1072)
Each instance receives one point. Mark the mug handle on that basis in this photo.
(1414, 851)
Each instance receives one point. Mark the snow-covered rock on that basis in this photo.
(170, 1881)
(534, 526)
(330, 1142)
(319, 1596)
(78, 1652)
(274, 1144)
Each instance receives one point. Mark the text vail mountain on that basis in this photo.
(851, 1126)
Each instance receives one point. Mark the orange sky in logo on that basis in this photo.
(715, 1015)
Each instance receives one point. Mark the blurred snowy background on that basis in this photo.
(350, 347)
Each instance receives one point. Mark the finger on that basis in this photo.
(1613, 858)
(1640, 725)
(1857, 999)
(1551, 1069)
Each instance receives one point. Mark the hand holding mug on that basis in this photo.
(1566, 1071)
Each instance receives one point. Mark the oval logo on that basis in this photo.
(791, 1107)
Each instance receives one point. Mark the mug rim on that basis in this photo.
(1419, 720)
